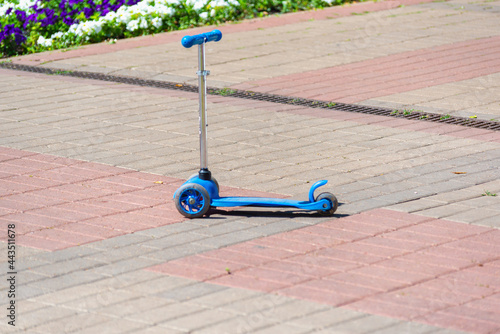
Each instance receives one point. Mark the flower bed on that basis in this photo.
(28, 26)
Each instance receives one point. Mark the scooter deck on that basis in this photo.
(270, 202)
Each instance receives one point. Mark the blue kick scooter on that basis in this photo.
(201, 191)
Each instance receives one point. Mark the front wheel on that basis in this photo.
(330, 197)
(213, 179)
(192, 200)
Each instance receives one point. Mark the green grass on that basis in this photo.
(488, 193)
(225, 91)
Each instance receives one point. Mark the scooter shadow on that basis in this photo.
(216, 213)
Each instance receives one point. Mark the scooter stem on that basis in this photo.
(202, 84)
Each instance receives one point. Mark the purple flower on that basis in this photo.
(19, 36)
(68, 20)
(88, 12)
(8, 11)
(49, 19)
(21, 16)
(32, 17)
(10, 30)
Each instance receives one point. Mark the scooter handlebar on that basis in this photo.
(212, 36)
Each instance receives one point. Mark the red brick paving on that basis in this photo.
(58, 203)
(388, 75)
(382, 262)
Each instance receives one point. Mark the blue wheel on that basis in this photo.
(192, 200)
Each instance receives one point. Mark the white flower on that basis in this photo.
(110, 16)
(57, 35)
(164, 11)
(198, 5)
(26, 4)
(212, 12)
(44, 42)
(143, 23)
(133, 25)
(123, 17)
(4, 9)
(157, 22)
(204, 15)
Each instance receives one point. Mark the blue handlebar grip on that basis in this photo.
(213, 36)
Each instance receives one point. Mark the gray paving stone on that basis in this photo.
(361, 195)
(112, 327)
(117, 242)
(169, 230)
(294, 309)
(277, 227)
(28, 276)
(45, 315)
(62, 296)
(73, 323)
(65, 267)
(454, 196)
(223, 297)
(283, 328)
(490, 222)
(157, 330)
(237, 325)
(444, 211)
(125, 280)
(141, 304)
(100, 300)
(407, 327)
(223, 228)
(176, 252)
(28, 263)
(474, 214)
(363, 325)
(365, 205)
(29, 305)
(408, 195)
(125, 266)
(327, 318)
(160, 284)
(192, 291)
(66, 254)
(415, 205)
(83, 154)
(199, 320)
(482, 177)
(119, 254)
(164, 313)
(171, 241)
(447, 331)
(260, 304)
(57, 283)
(227, 239)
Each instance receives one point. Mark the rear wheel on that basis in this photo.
(330, 197)
(192, 200)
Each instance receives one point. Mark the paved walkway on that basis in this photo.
(88, 170)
